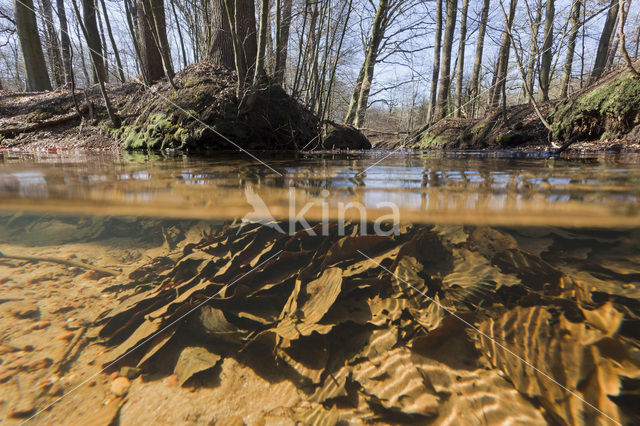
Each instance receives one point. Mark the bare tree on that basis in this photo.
(576, 23)
(65, 43)
(360, 96)
(477, 65)
(53, 47)
(436, 62)
(460, 67)
(90, 25)
(605, 41)
(445, 66)
(35, 69)
(547, 54)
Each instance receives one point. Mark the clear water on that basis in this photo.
(510, 288)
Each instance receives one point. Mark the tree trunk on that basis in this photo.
(35, 68)
(262, 41)
(445, 65)
(53, 49)
(533, 49)
(154, 46)
(247, 35)
(221, 49)
(433, 96)
(113, 41)
(547, 54)
(282, 40)
(93, 40)
(474, 88)
(179, 29)
(571, 47)
(65, 43)
(360, 97)
(460, 67)
(115, 120)
(605, 41)
(500, 77)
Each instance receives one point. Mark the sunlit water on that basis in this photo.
(561, 228)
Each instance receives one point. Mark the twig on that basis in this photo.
(61, 262)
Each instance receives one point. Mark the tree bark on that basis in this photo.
(460, 67)
(113, 41)
(445, 65)
(500, 77)
(154, 46)
(571, 47)
(547, 54)
(115, 120)
(533, 49)
(35, 68)
(65, 43)
(93, 40)
(262, 42)
(221, 49)
(179, 29)
(282, 40)
(474, 88)
(53, 49)
(247, 35)
(605, 41)
(624, 10)
(360, 97)
(433, 96)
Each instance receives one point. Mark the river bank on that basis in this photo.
(203, 114)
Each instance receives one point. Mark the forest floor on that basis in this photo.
(602, 117)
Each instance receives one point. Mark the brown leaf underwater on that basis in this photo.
(441, 324)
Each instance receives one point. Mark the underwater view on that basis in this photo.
(320, 289)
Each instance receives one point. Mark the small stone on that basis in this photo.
(68, 335)
(91, 383)
(172, 380)
(69, 256)
(40, 325)
(28, 348)
(24, 408)
(120, 386)
(130, 372)
(56, 390)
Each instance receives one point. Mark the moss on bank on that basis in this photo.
(205, 114)
(611, 108)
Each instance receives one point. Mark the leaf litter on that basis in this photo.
(468, 325)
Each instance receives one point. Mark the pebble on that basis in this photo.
(130, 372)
(22, 409)
(120, 386)
(91, 383)
(56, 390)
(172, 380)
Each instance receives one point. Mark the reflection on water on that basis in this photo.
(509, 294)
(596, 190)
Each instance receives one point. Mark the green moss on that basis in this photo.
(430, 141)
(613, 101)
(159, 133)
